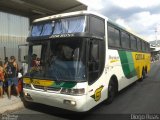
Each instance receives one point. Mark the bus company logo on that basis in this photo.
(113, 59)
(35, 82)
(97, 94)
(62, 35)
(45, 89)
(139, 56)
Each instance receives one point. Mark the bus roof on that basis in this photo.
(68, 14)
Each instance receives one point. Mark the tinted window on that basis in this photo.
(96, 59)
(143, 46)
(97, 26)
(113, 37)
(133, 43)
(147, 47)
(93, 61)
(94, 56)
(125, 40)
(101, 56)
(139, 45)
(60, 26)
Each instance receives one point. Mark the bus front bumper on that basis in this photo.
(69, 102)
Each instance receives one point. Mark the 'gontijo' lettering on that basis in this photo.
(140, 56)
(36, 82)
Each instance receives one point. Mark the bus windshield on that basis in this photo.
(60, 60)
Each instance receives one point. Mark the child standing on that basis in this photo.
(1, 79)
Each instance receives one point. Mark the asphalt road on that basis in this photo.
(138, 98)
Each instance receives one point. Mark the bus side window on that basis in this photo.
(93, 62)
(139, 45)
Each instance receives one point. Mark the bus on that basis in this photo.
(77, 60)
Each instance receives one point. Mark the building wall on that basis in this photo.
(13, 31)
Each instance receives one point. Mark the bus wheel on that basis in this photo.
(111, 92)
(143, 75)
(27, 104)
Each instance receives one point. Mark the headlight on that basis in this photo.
(80, 91)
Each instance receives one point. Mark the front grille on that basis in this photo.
(38, 87)
(46, 88)
(53, 89)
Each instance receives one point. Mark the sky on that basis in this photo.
(140, 16)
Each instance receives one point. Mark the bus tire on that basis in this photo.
(27, 104)
(146, 71)
(112, 90)
(143, 75)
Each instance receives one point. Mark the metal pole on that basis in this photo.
(4, 52)
(156, 35)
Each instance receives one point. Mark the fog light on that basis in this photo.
(73, 103)
(69, 102)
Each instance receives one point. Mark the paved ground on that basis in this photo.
(140, 97)
(10, 105)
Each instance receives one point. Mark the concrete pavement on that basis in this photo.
(7, 105)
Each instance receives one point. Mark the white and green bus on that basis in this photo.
(85, 59)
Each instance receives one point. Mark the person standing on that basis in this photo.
(11, 68)
(1, 79)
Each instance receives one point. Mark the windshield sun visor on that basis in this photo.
(59, 26)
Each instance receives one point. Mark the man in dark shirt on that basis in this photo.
(11, 68)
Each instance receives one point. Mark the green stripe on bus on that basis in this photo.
(127, 64)
(64, 84)
(69, 84)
